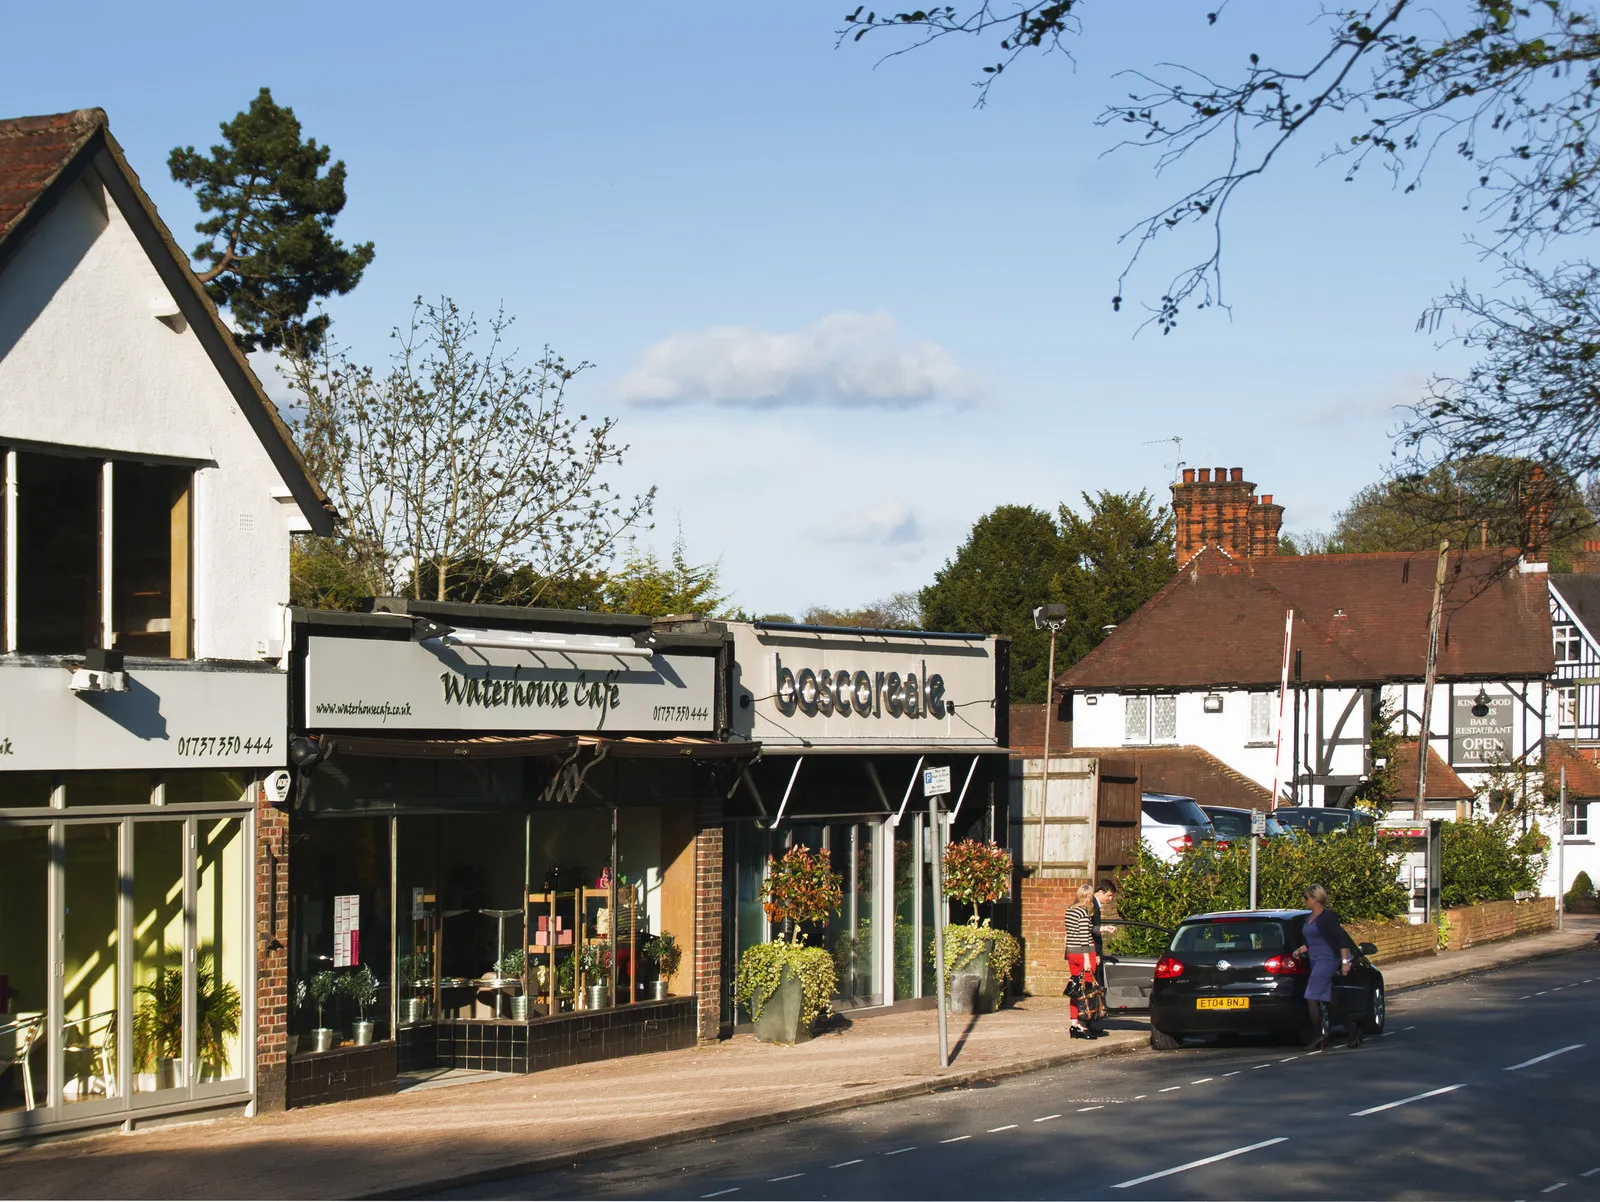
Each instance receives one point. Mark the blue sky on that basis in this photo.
(839, 311)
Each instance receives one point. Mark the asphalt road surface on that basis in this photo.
(1485, 1088)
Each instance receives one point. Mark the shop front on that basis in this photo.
(127, 829)
(497, 821)
(847, 721)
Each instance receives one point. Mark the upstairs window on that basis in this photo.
(1566, 705)
(1569, 646)
(1577, 826)
(1261, 717)
(1136, 720)
(102, 556)
(1165, 726)
(1150, 719)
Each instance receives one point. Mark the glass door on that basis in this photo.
(216, 989)
(24, 972)
(91, 950)
(159, 936)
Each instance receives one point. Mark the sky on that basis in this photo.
(839, 311)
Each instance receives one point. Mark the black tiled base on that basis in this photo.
(507, 1046)
(416, 1048)
(342, 1074)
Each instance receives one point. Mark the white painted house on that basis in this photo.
(1200, 664)
(150, 490)
(1574, 729)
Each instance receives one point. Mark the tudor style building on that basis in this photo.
(1199, 665)
(150, 491)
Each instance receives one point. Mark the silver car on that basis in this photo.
(1172, 825)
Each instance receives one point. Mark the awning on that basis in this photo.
(769, 750)
(479, 747)
(676, 747)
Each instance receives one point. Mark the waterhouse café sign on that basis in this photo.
(377, 684)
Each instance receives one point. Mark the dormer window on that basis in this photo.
(97, 555)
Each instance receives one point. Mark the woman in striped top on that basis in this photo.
(1081, 961)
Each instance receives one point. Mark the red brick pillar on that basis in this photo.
(1044, 906)
(708, 918)
(272, 954)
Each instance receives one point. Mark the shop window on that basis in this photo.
(339, 913)
(58, 554)
(24, 967)
(158, 942)
(189, 788)
(150, 560)
(109, 788)
(65, 510)
(220, 949)
(89, 963)
(1261, 717)
(21, 790)
(1577, 824)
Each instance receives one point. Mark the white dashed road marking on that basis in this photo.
(897, 1151)
(1571, 1047)
(1081, 1109)
(790, 1177)
(1195, 1164)
(1007, 1127)
(1170, 1088)
(1202, 1081)
(1550, 1189)
(731, 1190)
(1590, 1173)
(1432, 1093)
(1045, 1118)
(845, 1164)
(1234, 1073)
(955, 1140)
(1263, 1066)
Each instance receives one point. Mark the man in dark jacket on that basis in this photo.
(1103, 897)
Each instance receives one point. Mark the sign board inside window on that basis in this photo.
(1481, 734)
(346, 930)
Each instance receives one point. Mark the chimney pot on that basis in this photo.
(1592, 544)
(1188, 475)
(1222, 475)
(1237, 475)
(1205, 475)
(1266, 498)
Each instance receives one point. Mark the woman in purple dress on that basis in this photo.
(1330, 949)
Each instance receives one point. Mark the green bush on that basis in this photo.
(1360, 874)
(1489, 860)
(965, 941)
(761, 972)
(1582, 890)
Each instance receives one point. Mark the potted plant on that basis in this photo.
(158, 1022)
(414, 974)
(595, 960)
(786, 984)
(322, 988)
(361, 987)
(978, 958)
(663, 951)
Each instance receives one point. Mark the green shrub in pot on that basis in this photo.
(801, 890)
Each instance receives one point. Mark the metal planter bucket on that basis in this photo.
(595, 997)
(361, 1032)
(658, 991)
(169, 1072)
(519, 1008)
(324, 1039)
(414, 1010)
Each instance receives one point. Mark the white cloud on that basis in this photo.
(887, 524)
(847, 359)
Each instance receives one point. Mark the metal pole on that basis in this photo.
(1561, 852)
(1253, 845)
(1429, 676)
(935, 836)
(1044, 782)
(1283, 689)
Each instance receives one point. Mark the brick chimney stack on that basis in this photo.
(1223, 511)
(1538, 519)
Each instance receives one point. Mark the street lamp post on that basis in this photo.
(1051, 617)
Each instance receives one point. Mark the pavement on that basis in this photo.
(424, 1141)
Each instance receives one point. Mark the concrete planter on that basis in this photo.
(973, 989)
(779, 1020)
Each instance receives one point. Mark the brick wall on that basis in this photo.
(1225, 511)
(1044, 904)
(272, 955)
(708, 918)
(1397, 940)
(1489, 921)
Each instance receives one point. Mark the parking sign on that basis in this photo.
(935, 782)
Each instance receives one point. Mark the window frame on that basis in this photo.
(1136, 703)
(1568, 643)
(1575, 824)
(1263, 732)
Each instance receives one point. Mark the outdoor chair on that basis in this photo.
(104, 1026)
(16, 1042)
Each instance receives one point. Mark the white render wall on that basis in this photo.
(85, 363)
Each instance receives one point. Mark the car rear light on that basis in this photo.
(1181, 843)
(1168, 968)
(1223, 842)
(1286, 966)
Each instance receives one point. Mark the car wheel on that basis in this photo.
(1377, 1013)
(1163, 1041)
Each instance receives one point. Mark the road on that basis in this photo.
(1484, 1088)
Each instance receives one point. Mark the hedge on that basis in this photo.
(1489, 860)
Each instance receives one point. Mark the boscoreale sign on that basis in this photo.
(381, 684)
(800, 687)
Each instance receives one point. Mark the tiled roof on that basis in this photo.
(33, 151)
(1583, 774)
(1443, 783)
(1359, 619)
(1189, 772)
(1579, 593)
(1027, 731)
(39, 158)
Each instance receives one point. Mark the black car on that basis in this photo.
(1233, 822)
(1236, 973)
(1320, 820)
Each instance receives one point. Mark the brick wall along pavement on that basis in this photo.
(708, 918)
(1397, 940)
(1044, 908)
(272, 954)
(1488, 921)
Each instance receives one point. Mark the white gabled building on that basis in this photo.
(150, 490)
(1200, 664)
